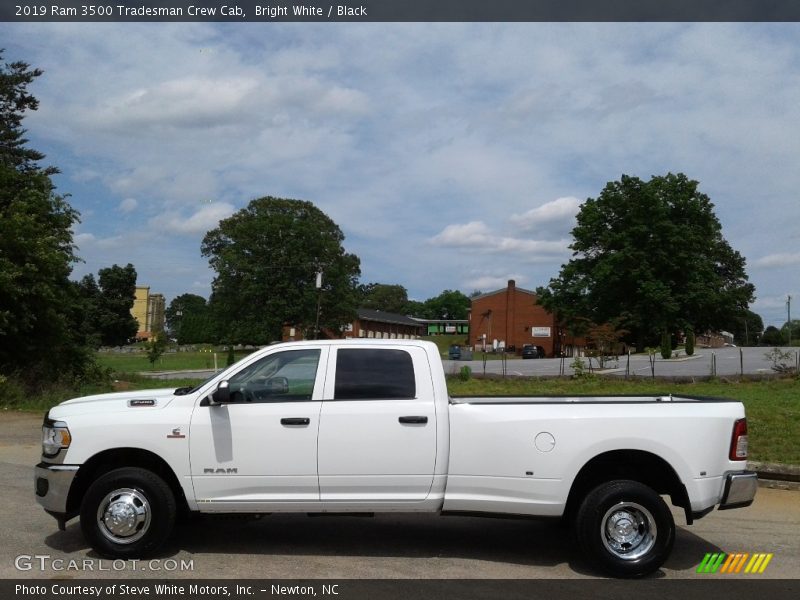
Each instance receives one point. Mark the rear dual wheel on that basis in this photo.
(625, 528)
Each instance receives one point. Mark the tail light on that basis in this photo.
(739, 441)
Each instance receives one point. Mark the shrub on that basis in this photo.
(666, 345)
(465, 373)
(689, 347)
(579, 368)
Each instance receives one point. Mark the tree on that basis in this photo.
(189, 319)
(14, 102)
(450, 304)
(772, 337)
(791, 331)
(266, 258)
(605, 340)
(155, 348)
(39, 306)
(689, 344)
(746, 327)
(108, 320)
(652, 255)
(117, 295)
(385, 297)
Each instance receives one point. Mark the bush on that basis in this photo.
(689, 347)
(465, 373)
(579, 368)
(666, 345)
(782, 362)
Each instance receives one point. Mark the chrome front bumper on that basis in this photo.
(739, 491)
(51, 484)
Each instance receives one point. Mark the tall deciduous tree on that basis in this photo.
(38, 305)
(189, 319)
(386, 297)
(651, 255)
(450, 304)
(266, 258)
(746, 327)
(117, 294)
(108, 305)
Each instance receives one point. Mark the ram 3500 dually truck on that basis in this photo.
(367, 426)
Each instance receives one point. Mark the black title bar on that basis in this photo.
(264, 11)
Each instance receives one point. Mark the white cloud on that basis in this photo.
(489, 283)
(201, 221)
(81, 239)
(559, 214)
(778, 260)
(128, 205)
(475, 233)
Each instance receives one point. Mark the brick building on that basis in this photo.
(372, 324)
(511, 317)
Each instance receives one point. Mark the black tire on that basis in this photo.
(144, 509)
(625, 528)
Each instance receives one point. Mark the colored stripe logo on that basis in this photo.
(738, 562)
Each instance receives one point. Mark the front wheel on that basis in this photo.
(128, 513)
(626, 528)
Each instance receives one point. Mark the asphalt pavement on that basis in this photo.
(722, 362)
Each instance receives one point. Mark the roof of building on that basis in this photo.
(380, 316)
(430, 321)
(503, 291)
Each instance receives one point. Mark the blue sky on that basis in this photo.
(451, 155)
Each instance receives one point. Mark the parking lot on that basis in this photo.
(723, 362)
(386, 546)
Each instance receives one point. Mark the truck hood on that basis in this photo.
(114, 402)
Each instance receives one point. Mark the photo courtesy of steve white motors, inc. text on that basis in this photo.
(169, 589)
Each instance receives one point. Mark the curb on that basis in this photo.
(776, 476)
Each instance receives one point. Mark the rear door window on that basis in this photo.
(374, 374)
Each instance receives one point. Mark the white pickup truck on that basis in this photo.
(367, 426)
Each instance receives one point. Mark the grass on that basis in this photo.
(772, 406)
(131, 362)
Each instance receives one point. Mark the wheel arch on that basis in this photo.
(637, 465)
(118, 458)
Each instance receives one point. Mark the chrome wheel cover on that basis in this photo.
(123, 516)
(628, 530)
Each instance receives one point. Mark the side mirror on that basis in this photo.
(222, 395)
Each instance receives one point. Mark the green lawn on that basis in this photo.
(773, 407)
(131, 362)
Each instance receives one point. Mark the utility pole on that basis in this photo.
(319, 303)
(789, 317)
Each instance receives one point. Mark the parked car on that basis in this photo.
(455, 352)
(531, 351)
(355, 426)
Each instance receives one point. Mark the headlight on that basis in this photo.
(55, 436)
